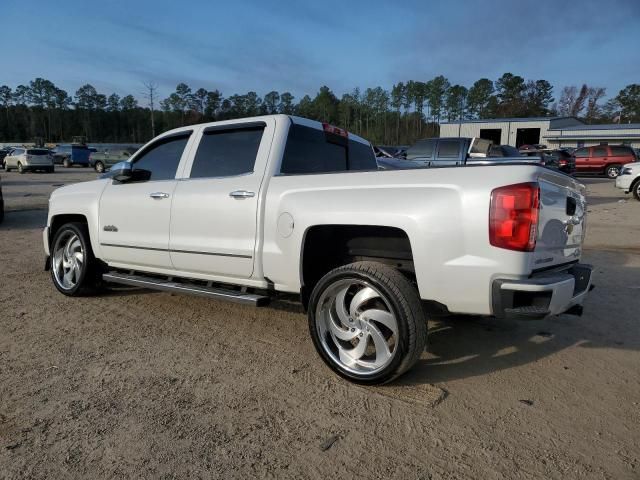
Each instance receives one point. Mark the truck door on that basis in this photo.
(215, 207)
(599, 159)
(134, 216)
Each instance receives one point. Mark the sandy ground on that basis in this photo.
(140, 384)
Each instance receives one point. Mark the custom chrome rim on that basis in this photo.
(68, 260)
(357, 327)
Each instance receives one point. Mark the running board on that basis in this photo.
(190, 289)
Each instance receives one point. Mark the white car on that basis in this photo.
(251, 209)
(29, 160)
(629, 179)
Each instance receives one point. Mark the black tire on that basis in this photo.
(6, 167)
(90, 278)
(50, 170)
(99, 167)
(404, 303)
(612, 171)
(66, 163)
(635, 189)
(20, 168)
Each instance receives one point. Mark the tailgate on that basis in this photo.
(561, 225)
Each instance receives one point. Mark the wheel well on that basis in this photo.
(59, 220)
(326, 247)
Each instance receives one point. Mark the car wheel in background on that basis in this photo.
(50, 169)
(367, 322)
(20, 168)
(6, 167)
(99, 167)
(636, 190)
(74, 269)
(66, 163)
(612, 171)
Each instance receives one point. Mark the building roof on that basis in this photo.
(506, 120)
(607, 126)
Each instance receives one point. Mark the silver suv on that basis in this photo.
(29, 160)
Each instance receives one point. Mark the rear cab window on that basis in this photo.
(422, 150)
(311, 150)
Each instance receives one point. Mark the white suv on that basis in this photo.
(629, 179)
(29, 159)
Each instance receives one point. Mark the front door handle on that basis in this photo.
(242, 194)
(159, 195)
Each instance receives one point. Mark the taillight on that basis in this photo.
(562, 162)
(513, 216)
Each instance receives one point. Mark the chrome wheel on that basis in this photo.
(357, 327)
(68, 260)
(99, 167)
(613, 172)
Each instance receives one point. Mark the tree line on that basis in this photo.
(410, 110)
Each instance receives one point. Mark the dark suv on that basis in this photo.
(604, 159)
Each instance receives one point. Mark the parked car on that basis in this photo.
(102, 161)
(629, 179)
(603, 159)
(29, 160)
(280, 205)
(560, 160)
(3, 153)
(71, 154)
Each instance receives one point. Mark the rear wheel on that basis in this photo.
(612, 171)
(20, 168)
(367, 323)
(49, 170)
(74, 270)
(99, 166)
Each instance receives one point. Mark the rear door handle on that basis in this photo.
(242, 194)
(159, 195)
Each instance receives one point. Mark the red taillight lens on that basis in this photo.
(513, 216)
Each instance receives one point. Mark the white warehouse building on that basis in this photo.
(554, 132)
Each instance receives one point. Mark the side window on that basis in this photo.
(621, 151)
(600, 152)
(449, 149)
(311, 150)
(224, 153)
(581, 152)
(421, 150)
(161, 159)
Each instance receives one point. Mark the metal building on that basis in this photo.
(551, 131)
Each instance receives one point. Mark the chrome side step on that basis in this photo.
(191, 289)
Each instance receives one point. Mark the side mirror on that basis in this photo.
(122, 172)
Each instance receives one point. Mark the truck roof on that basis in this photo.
(294, 119)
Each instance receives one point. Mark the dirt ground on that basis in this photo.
(141, 384)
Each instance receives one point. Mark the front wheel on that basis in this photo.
(99, 166)
(66, 163)
(612, 171)
(367, 323)
(74, 269)
(636, 190)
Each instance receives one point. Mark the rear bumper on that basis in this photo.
(543, 294)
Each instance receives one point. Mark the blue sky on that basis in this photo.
(300, 45)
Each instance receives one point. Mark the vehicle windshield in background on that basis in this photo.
(37, 152)
(310, 150)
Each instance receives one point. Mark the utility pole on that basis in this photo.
(150, 94)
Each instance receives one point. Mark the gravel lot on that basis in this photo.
(141, 384)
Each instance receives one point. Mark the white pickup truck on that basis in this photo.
(251, 209)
